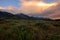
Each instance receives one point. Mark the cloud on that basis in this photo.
(1, 8)
(10, 9)
(52, 12)
(36, 8)
(55, 12)
(41, 8)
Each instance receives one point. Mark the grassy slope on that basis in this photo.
(25, 29)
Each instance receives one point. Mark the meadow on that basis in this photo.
(29, 29)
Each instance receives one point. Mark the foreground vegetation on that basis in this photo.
(28, 29)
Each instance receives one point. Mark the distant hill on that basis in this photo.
(21, 15)
(4, 14)
(57, 19)
(24, 16)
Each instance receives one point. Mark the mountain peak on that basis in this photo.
(21, 15)
(4, 14)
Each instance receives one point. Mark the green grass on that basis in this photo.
(26, 29)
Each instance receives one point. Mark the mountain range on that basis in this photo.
(8, 15)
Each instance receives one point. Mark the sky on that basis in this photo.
(16, 3)
(5, 3)
(39, 8)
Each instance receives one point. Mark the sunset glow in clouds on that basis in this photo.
(36, 7)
